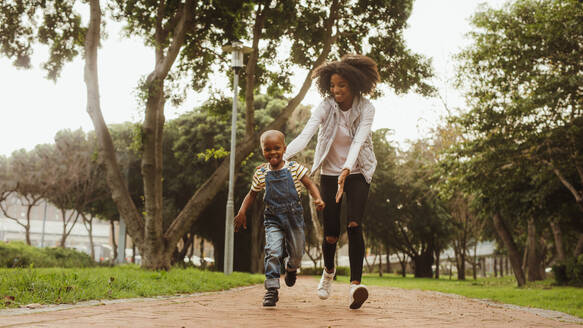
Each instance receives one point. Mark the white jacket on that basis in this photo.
(326, 117)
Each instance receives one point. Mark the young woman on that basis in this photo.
(344, 154)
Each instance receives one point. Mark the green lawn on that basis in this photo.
(71, 285)
(541, 294)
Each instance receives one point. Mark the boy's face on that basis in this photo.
(273, 148)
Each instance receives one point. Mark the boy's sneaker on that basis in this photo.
(325, 285)
(290, 277)
(358, 294)
(271, 297)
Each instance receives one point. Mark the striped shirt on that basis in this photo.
(297, 172)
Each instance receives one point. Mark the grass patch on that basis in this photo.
(58, 285)
(542, 294)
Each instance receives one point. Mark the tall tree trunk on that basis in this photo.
(423, 264)
(115, 180)
(66, 222)
(202, 260)
(155, 251)
(403, 262)
(388, 260)
(89, 227)
(380, 265)
(495, 266)
(461, 264)
(250, 69)
(113, 242)
(558, 238)
(257, 236)
(27, 226)
(437, 263)
(475, 262)
(513, 253)
(532, 258)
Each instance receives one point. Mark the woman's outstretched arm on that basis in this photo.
(302, 140)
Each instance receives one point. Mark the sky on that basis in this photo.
(33, 109)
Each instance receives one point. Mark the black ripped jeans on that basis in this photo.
(356, 193)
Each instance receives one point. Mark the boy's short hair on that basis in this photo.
(360, 71)
(269, 133)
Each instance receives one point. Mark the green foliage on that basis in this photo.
(520, 150)
(212, 153)
(524, 125)
(20, 255)
(404, 213)
(53, 23)
(58, 286)
(570, 272)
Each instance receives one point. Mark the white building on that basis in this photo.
(46, 229)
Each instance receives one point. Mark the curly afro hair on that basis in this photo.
(360, 72)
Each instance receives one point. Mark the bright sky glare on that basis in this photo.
(33, 108)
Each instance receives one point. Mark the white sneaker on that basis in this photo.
(358, 294)
(325, 286)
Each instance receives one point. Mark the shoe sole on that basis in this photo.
(289, 284)
(360, 295)
(271, 305)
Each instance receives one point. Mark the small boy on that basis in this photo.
(283, 220)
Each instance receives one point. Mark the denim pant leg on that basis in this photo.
(274, 239)
(294, 242)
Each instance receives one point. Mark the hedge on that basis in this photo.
(20, 255)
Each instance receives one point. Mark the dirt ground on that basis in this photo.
(298, 306)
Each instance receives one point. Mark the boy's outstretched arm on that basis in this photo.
(311, 186)
(241, 217)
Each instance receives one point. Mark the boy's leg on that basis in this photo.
(295, 241)
(274, 237)
(273, 252)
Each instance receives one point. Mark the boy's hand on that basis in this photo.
(240, 220)
(319, 204)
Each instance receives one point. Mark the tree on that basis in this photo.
(189, 34)
(521, 73)
(22, 186)
(523, 70)
(404, 213)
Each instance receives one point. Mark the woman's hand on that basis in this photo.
(341, 179)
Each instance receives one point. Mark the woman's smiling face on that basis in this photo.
(340, 89)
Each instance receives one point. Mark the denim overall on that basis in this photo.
(284, 225)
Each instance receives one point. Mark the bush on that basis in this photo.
(20, 255)
(569, 272)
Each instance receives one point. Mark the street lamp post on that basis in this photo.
(237, 49)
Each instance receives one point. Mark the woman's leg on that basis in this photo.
(356, 190)
(328, 188)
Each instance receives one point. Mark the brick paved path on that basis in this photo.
(298, 307)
